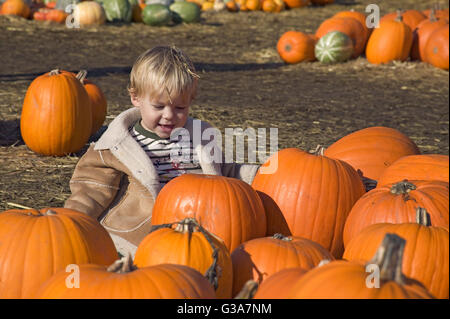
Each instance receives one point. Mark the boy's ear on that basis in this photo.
(135, 100)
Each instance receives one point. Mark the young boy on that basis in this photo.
(117, 180)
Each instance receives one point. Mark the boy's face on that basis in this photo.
(161, 115)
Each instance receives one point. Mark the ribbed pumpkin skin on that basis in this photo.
(347, 280)
(372, 149)
(361, 17)
(426, 255)
(36, 246)
(164, 281)
(168, 246)
(349, 26)
(56, 115)
(227, 207)
(381, 206)
(426, 167)
(391, 41)
(411, 18)
(422, 34)
(261, 257)
(437, 49)
(313, 208)
(277, 285)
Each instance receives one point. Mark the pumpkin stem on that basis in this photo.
(55, 72)
(281, 237)
(402, 188)
(399, 15)
(319, 150)
(323, 262)
(189, 225)
(422, 217)
(248, 291)
(50, 212)
(389, 258)
(123, 265)
(81, 76)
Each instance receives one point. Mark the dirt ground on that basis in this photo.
(244, 83)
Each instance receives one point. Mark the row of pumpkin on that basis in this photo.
(310, 229)
(401, 35)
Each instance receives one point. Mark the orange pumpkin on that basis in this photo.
(297, 3)
(439, 13)
(361, 17)
(354, 280)
(426, 167)
(56, 114)
(191, 245)
(98, 101)
(16, 7)
(232, 6)
(35, 244)
(422, 34)
(253, 5)
(437, 49)
(277, 285)
(122, 280)
(348, 25)
(312, 209)
(411, 18)
(295, 47)
(391, 41)
(255, 259)
(372, 149)
(426, 256)
(227, 207)
(397, 203)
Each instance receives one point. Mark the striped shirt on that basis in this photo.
(170, 158)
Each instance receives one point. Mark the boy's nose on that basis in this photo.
(168, 113)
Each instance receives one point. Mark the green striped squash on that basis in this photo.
(334, 47)
(156, 14)
(187, 12)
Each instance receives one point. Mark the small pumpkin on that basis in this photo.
(89, 13)
(397, 203)
(426, 256)
(187, 12)
(273, 5)
(35, 244)
(295, 47)
(348, 25)
(187, 243)
(437, 49)
(341, 279)
(123, 280)
(254, 5)
(56, 114)
(361, 17)
(16, 7)
(234, 212)
(425, 167)
(372, 149)
(156, 14)
(259, 258)
(334, 47)
(297, 3)
(391, 41)
(98, 101)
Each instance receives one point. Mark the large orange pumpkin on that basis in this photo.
(15, 7)
(341, 279)
(426, 167)
(56, 114)
(227, 207)
(437, 49)
(361, 17)
(348, 25)
(296, 46)
(372, 149)
(422, 33)
(35, 244)
(411, 18)
(259, 258)
(187, 243)
(426, 256)
(312, 208)
(122, 280)
(277, 285)
(98, 101)
(391, 41)
(397, 203)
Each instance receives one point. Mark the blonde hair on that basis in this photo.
(163, 70)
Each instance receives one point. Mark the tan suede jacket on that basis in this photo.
(116, 182)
